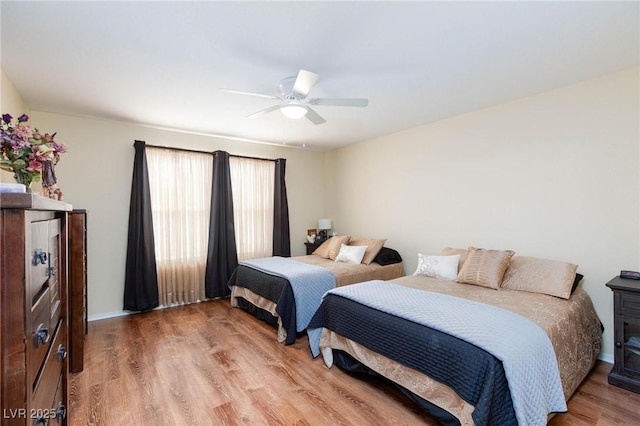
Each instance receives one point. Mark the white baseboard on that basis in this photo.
(116, 314)
(606, 357)
(107, 315)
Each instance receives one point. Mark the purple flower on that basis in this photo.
(59, 147)
(7, 118)
(23, 118)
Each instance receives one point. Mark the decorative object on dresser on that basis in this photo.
(50, 182)
(28, 154)
(626, 323)
(33, 314)
(78, 325)
(311, 235)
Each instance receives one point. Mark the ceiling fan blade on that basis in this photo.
(242, 92)
(314, 117)
(264, 111)
(348, 102)
(304, 83)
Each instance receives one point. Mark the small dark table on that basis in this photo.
(311, 247)
(626, 323)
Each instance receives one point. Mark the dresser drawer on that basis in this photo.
(46, 385)
(38, 259)
(55, 302)
(630, 304)
(59, 404)
(56, 311)
(40, 333)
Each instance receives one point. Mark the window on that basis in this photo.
(180, 186)
(252, 183)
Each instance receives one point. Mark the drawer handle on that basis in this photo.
(40, 421)
(39, 257)
(618, 345)
(61, 412)
(42, 335)
(62, 353)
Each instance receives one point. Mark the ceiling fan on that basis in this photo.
(293, 98)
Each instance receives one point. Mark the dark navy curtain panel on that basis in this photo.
(141, 277)
(222, 256)
(281, 237)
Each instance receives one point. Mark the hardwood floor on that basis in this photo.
(207, 363)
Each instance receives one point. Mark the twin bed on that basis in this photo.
(286, 292)
(508, 345)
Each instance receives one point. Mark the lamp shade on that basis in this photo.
(293, 111)
(324, 224)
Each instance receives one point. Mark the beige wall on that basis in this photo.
(96, 175)
(11, 102)
(553, 176)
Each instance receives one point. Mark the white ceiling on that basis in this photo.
(163, 63)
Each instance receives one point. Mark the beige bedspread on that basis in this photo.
(349, 273)
(572, 326)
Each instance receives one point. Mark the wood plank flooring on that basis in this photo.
(210, 364)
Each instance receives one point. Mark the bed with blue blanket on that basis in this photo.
(466, 354)
(286, 292)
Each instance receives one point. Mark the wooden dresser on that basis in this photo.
(33, 309)
(78, 326)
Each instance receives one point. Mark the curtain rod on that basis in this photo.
(207, 152)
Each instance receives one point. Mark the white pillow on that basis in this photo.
(445, 267)
(351, 254)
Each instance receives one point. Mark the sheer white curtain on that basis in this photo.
(180, 185)
(252, 182)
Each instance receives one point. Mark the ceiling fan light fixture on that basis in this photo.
(293, 111)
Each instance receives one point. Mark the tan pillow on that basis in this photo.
(540, 276)
(484, 267)
(373, 247)
(335, 243)
(323, 250)
(450, 251)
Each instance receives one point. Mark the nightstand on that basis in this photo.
(311, 247)
(626, 311)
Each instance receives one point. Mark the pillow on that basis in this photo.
(445, 267)
(323, 250)
(373, 247)
(330, 246)
(387, 256)
(335, 243)
(449, 251)
(579, 278)
(484, 267)
(351, 254)
(540, 276)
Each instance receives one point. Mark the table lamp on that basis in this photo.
(323, 226)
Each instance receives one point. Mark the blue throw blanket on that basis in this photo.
(308, 283)
(525, 350)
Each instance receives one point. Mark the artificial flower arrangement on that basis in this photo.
(26, 152)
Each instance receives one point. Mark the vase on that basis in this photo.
(24, 178)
